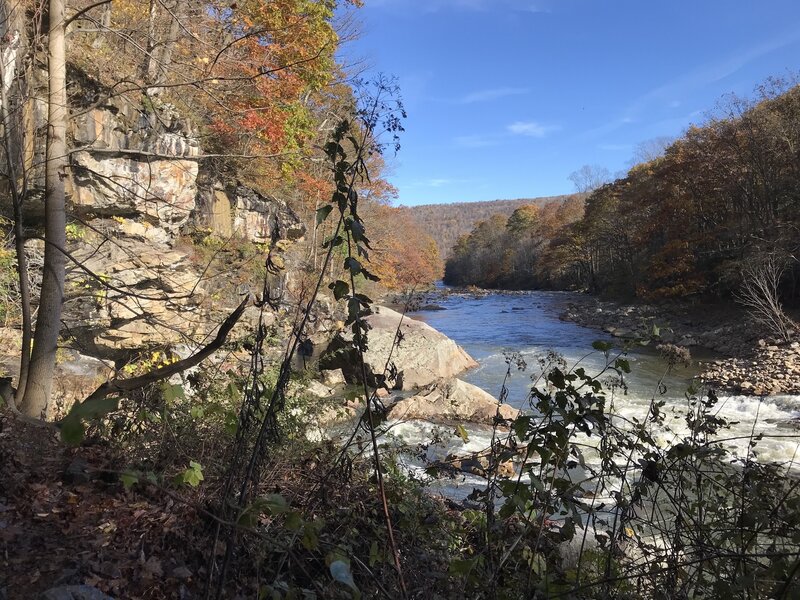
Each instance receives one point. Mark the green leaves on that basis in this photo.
(323, 212)
(340, 289)
(271, 504)
(352, 265)
(602, 346)
(73, 429)
(463, 567)
(462, 433)
(622, 365)
(129, 479)
(191, 476)
(334, 150)
(172, 392)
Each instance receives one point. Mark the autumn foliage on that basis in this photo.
(684, 224)
(259, 83)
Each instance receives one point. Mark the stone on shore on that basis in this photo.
(422, 356)
(452, 400)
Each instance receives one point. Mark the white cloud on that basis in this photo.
(492, 94)
(438, 182)
(531, 129)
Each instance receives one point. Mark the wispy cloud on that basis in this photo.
(492, 94)
(698, 78)
(719, 70)
(437, 182)
(430, 6)
(615, 147)
(531, 129)
(607, 128)
(475, 141)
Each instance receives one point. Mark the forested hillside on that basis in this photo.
(445, 223)
(204, 392)
(716, 215)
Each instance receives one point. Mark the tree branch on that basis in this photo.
(116, 386)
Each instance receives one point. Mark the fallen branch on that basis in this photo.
(118, 386)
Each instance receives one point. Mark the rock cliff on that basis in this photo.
(156, 242)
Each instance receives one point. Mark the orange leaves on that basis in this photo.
(403, 255)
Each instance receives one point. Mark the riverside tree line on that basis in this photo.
(720, 202)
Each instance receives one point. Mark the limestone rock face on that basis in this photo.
(124, 125)
(163, 191)
(452, 400)
(243, 212)
(153, 297)
(422, 356)
(333, 378)
(135, 160)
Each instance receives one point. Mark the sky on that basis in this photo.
(506, 98)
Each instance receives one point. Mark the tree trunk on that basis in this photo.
(14, 134)
(48, 322)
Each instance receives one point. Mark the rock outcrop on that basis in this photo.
(236, 210)
(139, 187)
(155, 240)
(452, 400)
(420, 357)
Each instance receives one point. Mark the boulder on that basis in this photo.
(422, 356)
(452, 400)
(333, 377)
(320, 390)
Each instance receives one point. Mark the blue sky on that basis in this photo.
(506, 98)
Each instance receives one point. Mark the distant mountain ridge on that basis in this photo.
(445, 223)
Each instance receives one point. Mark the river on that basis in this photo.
(490, 326)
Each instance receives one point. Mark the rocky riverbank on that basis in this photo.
(751, 361)
(415, 368)
(736, 355)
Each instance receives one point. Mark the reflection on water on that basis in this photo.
(528, 324)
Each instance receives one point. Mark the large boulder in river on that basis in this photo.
(452, 400)
(422, 356)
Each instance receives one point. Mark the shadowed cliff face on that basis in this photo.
(159, 249)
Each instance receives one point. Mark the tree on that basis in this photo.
(259, 65)
(48, 323)
(760, 293)
(589, 177)
(651, 149)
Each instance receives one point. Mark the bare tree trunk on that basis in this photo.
(314, 238)
(48, 322)
(760, 293)
(149, 63)
(105, 25)
(168, 46)
(161, 44)
(13, 144)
